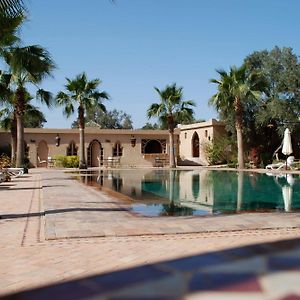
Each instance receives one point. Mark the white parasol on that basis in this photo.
(287, 143)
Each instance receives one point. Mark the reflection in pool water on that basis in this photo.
(201, 192)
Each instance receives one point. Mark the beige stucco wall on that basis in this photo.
(207, 132)
(132, 156)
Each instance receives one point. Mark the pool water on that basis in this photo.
(200, 192)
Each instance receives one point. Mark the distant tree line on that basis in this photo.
(259, 100)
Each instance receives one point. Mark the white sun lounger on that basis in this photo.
(281, 165)
(15, 172)
(2, 177)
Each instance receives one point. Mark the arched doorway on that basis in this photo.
(95, 154)
(195, 145)
(42, 154)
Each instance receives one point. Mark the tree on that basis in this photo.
(33, 118)
(170, 109)
(235, 90)
(84, 95)
(280, 105)
(28, 65)
(113, 119)
(150, 126)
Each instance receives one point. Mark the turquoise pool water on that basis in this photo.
(201, 192)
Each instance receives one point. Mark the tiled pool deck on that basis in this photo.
(79, 243)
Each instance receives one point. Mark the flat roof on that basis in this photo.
(93, 130)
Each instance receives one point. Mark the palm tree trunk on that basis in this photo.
(172, 152)
(13, 133)
(20, 142)
(19, 110)
(239, 132)
(171, 140)
(82, 161)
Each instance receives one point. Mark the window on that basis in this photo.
(117, 149)
(153, 146)
(72, 149)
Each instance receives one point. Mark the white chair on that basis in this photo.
(44, 161)
(281, 165)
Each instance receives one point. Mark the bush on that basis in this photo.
(254, 156)
(4, 161)
(220, 151)
(64, 161)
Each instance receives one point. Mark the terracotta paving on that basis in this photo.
(79, 243)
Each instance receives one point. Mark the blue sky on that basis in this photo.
(134, 45)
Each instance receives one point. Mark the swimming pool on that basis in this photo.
(200, 192)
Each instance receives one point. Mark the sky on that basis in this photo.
(136, 45)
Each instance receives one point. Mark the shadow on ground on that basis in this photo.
(228, 272)
(59, 211)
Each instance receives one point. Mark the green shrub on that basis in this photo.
(63, 161)
(4, 161)
(220, 151)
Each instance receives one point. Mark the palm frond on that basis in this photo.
(82, 93)
(12, 8)
(32, 62)
(45, 97)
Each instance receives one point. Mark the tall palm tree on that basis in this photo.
(8, 120)
(234, 90)
(84, 95)
(171, 108)
(28, 65)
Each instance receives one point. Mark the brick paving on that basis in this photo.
(58, 232)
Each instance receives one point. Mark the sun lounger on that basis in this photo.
(2, 177)
(15, 172)
(282, 165)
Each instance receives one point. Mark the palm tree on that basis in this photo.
(28, 65)
(85, 96)
(171, 109)
(33, 117)
(234, 90)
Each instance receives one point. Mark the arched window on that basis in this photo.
(153, 146)
(72, 149)
(195, 145)
(117, 149)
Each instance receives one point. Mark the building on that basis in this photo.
(194, 138)
(127, 148)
